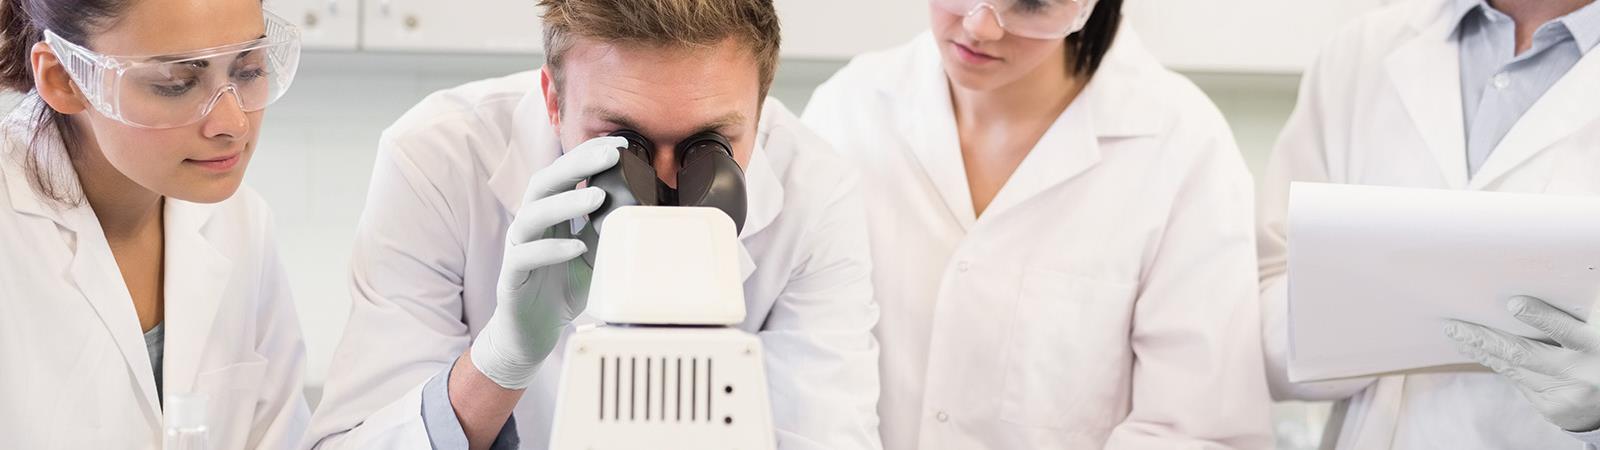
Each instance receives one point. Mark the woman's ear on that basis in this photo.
(54, 85)
(552, 104)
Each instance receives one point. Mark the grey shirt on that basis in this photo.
(444, 428)
(154, 341)
(1498, 86)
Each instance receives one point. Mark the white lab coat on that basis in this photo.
(74, 370)
(1103, 300)
(1382, 106)
(428, 253)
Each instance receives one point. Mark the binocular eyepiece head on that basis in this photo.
(708, 176)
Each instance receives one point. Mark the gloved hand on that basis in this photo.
(543, 285)
(1562, 381)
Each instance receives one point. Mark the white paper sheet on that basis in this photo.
(1375, 271)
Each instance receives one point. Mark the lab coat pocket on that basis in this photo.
(1069, 361)
(231, 396)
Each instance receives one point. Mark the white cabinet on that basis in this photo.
(1228, 36)
(1242, 36)
(324, 24)
(458, 26)
(841, 29)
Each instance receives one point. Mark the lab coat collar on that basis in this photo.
(1426, 70)
(92, 268)
(1106, 109)
(196, 279)
(534, 144)
(24, 199)
(1571, 104)
(1427, 75)
(762, 186)
(17, 127)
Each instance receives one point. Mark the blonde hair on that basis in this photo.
(663, 23)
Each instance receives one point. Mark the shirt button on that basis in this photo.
(942, 416)
(1501, 80)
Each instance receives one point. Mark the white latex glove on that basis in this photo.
(1561, 380)
(543, 284)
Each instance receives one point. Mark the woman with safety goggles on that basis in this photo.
(135, 269)
(1061, 236)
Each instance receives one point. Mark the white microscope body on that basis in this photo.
(667, 370)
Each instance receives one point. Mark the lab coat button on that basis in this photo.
(1501, 80)
(942, 416)
(963, 266)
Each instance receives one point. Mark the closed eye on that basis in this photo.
(174, 89)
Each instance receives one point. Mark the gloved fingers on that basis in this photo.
(1499, 365)
(589, 158)
(536, 217)
(1477, 341)
(1561, 327)
(522, 259)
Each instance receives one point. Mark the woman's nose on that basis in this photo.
(227, 118)
(984, 23)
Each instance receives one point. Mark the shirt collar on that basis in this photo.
(1584, 24)
(1476, 16)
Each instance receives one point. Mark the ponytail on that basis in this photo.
(1088, 47)
(17, 36)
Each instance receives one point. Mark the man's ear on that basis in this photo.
(552, 102)
(54, 85)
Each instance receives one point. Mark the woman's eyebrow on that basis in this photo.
(187, 55)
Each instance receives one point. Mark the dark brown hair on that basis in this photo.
(1088, 47)
(668, 23)
(22, 24)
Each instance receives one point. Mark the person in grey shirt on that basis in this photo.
(1502, 76)
(1487, 95)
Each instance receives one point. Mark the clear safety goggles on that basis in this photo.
(1033, 19)
(168, 91)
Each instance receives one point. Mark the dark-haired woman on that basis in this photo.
(134, 270)
(1061, 234)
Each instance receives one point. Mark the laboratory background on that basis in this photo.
(367, 61)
